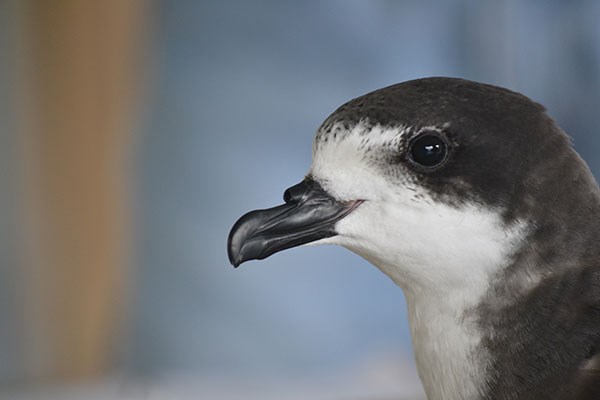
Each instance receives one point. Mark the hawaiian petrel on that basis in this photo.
(473, 201)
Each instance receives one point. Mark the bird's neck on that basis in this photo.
(443, 289)
(446, 344)
(534, 328)
(541, 338)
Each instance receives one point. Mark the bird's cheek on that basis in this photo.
(360, 226)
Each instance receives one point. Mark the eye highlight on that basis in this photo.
(428, 150)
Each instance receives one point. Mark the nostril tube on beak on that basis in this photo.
(287, 196)
(297, 193)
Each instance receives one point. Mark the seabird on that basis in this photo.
(471, 199)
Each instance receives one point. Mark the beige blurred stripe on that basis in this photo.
(79, 66)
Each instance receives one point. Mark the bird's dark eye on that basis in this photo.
(428, 149)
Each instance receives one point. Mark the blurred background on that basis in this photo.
(134, 133)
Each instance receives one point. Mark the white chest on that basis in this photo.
(449, 361)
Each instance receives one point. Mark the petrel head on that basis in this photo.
(469, 197)
(436, 181)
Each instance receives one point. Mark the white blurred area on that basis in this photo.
(378, 379)
(134, 133)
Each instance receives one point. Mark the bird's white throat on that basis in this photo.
(444, 260)
(444, 257)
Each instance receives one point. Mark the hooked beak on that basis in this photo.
(309, 214)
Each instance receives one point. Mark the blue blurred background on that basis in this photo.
(227, 99)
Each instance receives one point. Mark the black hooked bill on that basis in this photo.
(309, 214)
